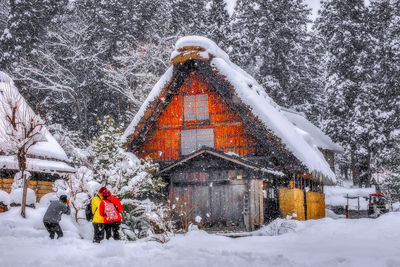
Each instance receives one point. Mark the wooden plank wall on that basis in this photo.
(41, 188)
(219, 198)
(291, 201)
(163, 142)
(315, 205)
(257, 203)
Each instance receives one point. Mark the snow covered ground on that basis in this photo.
(326, 242)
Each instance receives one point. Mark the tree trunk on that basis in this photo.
(22, 167)
(354, 173)
(24, 193)
(369, 171)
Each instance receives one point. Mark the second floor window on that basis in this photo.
(196, 107)
(192, 140)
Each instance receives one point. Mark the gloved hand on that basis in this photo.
(68, 202)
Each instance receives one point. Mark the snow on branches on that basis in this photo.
(20, 129)
(133, 181)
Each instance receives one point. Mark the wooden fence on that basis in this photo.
(41, 188)
(292, 203)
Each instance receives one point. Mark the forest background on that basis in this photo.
(79, 61)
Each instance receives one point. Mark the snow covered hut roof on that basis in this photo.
(49, 147)
(319, 138)
(248, 90)
(36, 165)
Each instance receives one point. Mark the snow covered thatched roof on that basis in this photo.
(247, 91)
(319, 138)
(48, 148)
(36, 165)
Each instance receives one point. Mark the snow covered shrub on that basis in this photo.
(16, 197)
(4, 200)
(80, 188)
(19, 180)
(278, 227)
(133, 181)
(145, 210)
(183, 214)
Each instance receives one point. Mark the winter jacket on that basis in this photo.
(97, 218)
(55, 210)
(117, 204)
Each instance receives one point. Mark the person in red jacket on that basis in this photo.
(111, 208)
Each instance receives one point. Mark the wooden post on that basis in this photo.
(305, 204)
(358, 206)
(25, 190)
(347, 207)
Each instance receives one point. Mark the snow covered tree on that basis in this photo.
(188, 17)
(217, 26)
(109, 154)
(80, 187)
(4, 10)
(342, 30)
(20, 129)
(132, 180)
(26, 25)
(134, 71)
(66, 77)
(383, 25)
(271, 41)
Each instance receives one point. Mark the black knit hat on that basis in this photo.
(63, 198)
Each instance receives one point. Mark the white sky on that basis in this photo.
(314, 4)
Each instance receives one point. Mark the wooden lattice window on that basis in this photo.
(192, 140)
(196, 107)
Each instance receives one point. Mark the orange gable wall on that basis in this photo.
(163, 143)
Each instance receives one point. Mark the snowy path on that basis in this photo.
(326, 242)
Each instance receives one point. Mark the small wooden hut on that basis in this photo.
(46, 160)
(233, 158)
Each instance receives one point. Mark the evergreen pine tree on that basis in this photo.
(133, 181)
(217, 26)
(271, 42)
(342, 29)
(187, 17)
(26, 25)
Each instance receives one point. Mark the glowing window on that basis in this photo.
(193, 140)
(196, 107)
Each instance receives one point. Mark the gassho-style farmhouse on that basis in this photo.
(46, 161)
(230, 154)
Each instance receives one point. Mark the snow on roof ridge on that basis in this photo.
(252, 94)
(50, 148)
(200, 41)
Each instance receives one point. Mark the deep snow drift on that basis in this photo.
(326, 242)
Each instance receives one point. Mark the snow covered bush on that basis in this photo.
(80, 188)
(16, 197)
(133, 181)
(278, 227)
(4, 200)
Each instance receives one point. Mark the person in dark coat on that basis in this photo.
(52, 217)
